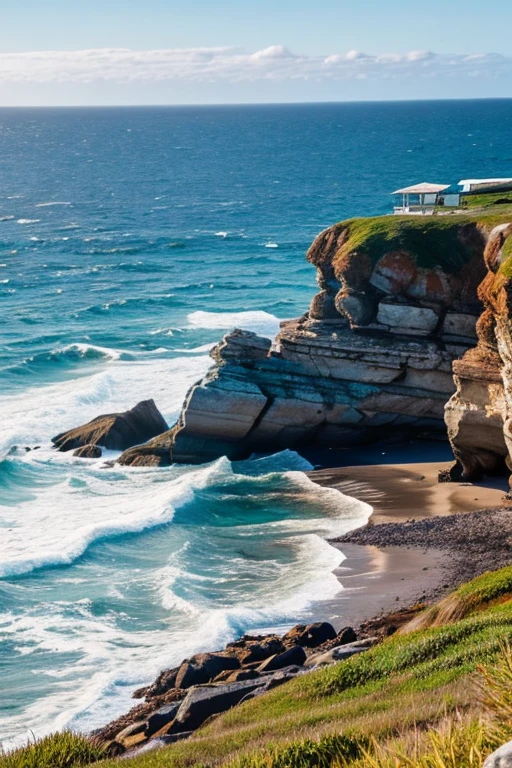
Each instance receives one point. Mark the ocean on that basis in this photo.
(131, 240)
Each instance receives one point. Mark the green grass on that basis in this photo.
(435, 241)
(485, 200)
(60, 750)
(506, 266)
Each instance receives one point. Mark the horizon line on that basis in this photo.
(257, 103)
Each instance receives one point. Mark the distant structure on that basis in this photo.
(476, 186)
(420, 198)
(423, 199)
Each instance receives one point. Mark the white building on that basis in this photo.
(484, 185)
(422, 198)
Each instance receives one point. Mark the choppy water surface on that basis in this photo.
(130, 241)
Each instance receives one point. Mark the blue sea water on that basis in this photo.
(130, 241)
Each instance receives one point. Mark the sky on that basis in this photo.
(102, 52)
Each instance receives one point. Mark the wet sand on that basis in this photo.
(388, 567)
(410, 491)
(377, 581)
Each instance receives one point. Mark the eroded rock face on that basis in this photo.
(373, 356)
(116, 431)
(479, 414)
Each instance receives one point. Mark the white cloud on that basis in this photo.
(275, 62)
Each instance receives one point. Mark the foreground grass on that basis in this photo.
(402, 703)
(61, 750)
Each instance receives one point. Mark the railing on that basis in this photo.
(415, 210)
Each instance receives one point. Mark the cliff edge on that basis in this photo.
(404, 303)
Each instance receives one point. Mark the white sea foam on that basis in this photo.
(88, 349)
(35, 415)
(49, 204)
(258, 321)
(28, 221)
(74, 503)
(110, 659)
(123, 502)
(271, 245)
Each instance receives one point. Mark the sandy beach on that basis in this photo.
(398, 559)
(398, 492)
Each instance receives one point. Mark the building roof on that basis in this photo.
(422, 189)
(466, 184)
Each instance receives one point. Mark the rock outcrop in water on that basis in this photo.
(373, 354)
(116, 431)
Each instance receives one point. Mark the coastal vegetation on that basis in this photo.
(436, 694)
(434, 240)
(59, 750)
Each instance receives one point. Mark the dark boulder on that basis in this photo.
(242, 674)
(345, 635)
(131, 730)
(260, 651)
(311, 635)
(154, 453)
(295, 656)
(88, 452)
(161, 717)
(203, 702)
(282, 676)
(116, 431)
(165, 682)
(204, 668)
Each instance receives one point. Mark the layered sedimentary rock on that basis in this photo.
(479, 415)
(373, 356)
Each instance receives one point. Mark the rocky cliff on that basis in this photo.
(479, 414)
(399, 302)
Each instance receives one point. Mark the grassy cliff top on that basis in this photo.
(446, 241)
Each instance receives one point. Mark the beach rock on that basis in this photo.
(312, 635)
(204, 701)
(165, 681)
(259, 651)
(88, 452)
(500, 758)
(115, 431)
(203, 668)
(345, 635)
(339, 653)
(238, 674)
(282, 676)
(157, 742)
(130, 730)
(161, 717)
(134, 741)
(293, 656)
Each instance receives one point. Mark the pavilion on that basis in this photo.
(422, 198)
